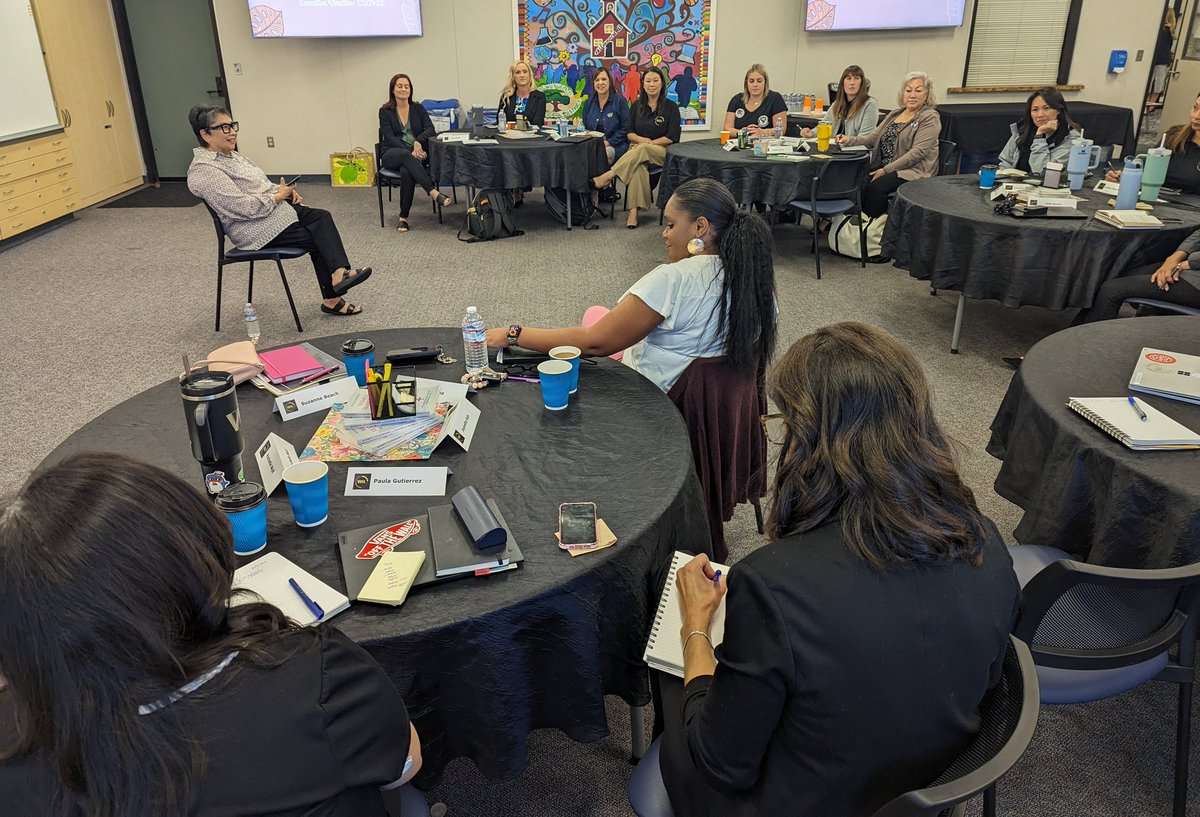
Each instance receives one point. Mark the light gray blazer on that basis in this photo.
(862, 122)
(1040, 151)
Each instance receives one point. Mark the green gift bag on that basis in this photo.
(354, 168)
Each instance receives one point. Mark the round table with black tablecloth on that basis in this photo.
(943, 230)
(1081, 490)
(511, 163)
(481, 662)
(749, 178)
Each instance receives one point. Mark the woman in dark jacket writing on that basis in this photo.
(405, 130)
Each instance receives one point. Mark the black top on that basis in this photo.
(535, 108)
(840, 686)
(391, 130)
(658, 123)
(1162, 47)
(1183, 171)
(314, 737)
(762, 116)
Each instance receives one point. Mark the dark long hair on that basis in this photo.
(1026, 129)
(391, 100)
(844, 108)
(1179, 135)
(114, 592)
(746, 310)
(642, 104)
(862, 446)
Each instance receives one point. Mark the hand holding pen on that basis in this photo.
(701, 589)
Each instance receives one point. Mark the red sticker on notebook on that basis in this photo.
(388, 538)
(1159, 357)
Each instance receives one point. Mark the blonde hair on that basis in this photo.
(511, 87)
(930, 99)
(757, 68)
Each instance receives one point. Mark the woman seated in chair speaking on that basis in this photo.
(607, 112)
(757, 109)
(520, 98)
(405, 130)
(256, 213)
(860, 642)
(1043, 135)
(134, 689)
(715, 296)
(904, 146)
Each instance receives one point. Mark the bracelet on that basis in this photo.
(700, 633)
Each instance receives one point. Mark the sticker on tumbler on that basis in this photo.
(388, 538)
(216, 482)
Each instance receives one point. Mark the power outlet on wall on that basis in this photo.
(237, 68)
(270, 141)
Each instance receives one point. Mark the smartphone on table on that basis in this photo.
(577, 524)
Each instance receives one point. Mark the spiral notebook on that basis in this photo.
(664, 651)
(1116, 417)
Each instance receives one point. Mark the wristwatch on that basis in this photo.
(514, 332)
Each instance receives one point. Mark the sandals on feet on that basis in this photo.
(341, 308)
(402, 225)
(444, 201)
(355, 278)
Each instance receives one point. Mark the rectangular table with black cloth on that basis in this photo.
(983, 127)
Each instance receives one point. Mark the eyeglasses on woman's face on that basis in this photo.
(224, 127)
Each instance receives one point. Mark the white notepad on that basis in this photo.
(268, 579)
(1116, 417)
(664, 650)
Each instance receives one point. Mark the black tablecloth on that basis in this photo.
(538, 162)
(943, 230)
(1081, 490)
(749, 178)
(481, 662)
(983, 127)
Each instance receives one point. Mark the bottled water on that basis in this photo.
(250, 316)
(474, 341)
(501, 121)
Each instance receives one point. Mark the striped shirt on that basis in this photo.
(241, 194)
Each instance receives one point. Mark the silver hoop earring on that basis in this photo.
(695, 246)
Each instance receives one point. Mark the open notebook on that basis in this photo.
(267, 578)
(664, 651)
(1116, 417)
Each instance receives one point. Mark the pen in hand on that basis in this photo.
(1138, 409)
(312, 606)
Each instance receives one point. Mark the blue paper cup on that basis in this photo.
(987, 177)
(358, 355)
(571, 354)
(555, 376)
(245, 504)
(308, 492)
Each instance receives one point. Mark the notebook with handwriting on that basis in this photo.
(664, 651)
(266, 579)
(1117, 418)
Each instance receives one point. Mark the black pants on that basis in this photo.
(690, 794)
(316, 232)
(1136, 284)
(415, 172)
(875, 194)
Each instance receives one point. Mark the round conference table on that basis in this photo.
(943, 230)
(1081, 490)
(480, 662)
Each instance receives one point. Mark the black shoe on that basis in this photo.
(1013, 363)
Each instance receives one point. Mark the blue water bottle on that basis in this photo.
(1131, 182)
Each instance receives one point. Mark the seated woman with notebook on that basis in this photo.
(859, 643)
(133, 688)
(1176, 280)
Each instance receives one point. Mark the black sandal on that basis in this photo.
(445, 201)
(341, 309)
(352, 280)
(402, 225)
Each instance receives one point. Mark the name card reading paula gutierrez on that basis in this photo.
(394, 481)
(315, 398)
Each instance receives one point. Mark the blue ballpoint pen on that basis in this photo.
(716, 577)
(1138, 409)
(313, 607)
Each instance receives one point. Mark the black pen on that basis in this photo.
(312, 606)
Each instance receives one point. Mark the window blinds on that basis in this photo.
(1017, 42)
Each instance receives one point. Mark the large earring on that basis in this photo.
(695, 246)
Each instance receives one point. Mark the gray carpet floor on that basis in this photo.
(115, 297)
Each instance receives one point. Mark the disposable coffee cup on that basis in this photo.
(245, 505)
(555, 377)
(308, 492)
(987, 176)
(572, 355)
(725, 135)
(358, 355)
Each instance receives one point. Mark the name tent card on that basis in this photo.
(317, 398)
(274, 455)
(459, 424)
(393, 481)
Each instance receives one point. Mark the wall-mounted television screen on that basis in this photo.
(850, 15)
(335, 18)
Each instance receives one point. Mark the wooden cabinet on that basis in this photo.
(37, 183)
(88, 80)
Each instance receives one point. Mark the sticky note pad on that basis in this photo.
(392, 577)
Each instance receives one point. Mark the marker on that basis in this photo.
(1138, 409)
(312, 606)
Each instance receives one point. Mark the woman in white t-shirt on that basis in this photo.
(715, 296)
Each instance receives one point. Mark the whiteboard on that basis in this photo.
(26, 105)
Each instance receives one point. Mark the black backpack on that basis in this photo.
(489, 217)
(582, 208)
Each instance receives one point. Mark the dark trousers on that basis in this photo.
(316, 232)
(1136, 284)
(875, 194)
(690, 795)
(415, 172)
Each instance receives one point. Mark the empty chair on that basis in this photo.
(836, 189)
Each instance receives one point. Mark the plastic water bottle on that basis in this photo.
(474, 341)
(250, 316)
(1131, 182)
(501, 121)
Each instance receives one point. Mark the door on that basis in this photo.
(177, 64)
(1184, 85)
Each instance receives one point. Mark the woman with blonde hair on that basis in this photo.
(520, 98)
(757, 108)
(854, 111)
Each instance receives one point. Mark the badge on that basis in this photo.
(763, 120)
(660, 120)
(740, 112)
(609, 114)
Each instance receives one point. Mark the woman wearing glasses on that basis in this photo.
(859, 643)
(257, 213)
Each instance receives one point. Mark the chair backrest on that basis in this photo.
(220, 228)
(1008, 717)
(840, 178)
(1083, 616)
(947, 157)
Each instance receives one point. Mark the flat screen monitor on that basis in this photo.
(857, 15)
(335, 18)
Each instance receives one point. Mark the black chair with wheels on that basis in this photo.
(836, 189)
(1162, 306)
(395, 178)
(236, 256)
(1097, 631)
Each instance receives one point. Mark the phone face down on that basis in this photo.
(577, 523)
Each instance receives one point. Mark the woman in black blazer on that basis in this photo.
(405, 130)
(859, 643)
(520, 98)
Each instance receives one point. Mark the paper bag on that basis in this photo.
(354, 168)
